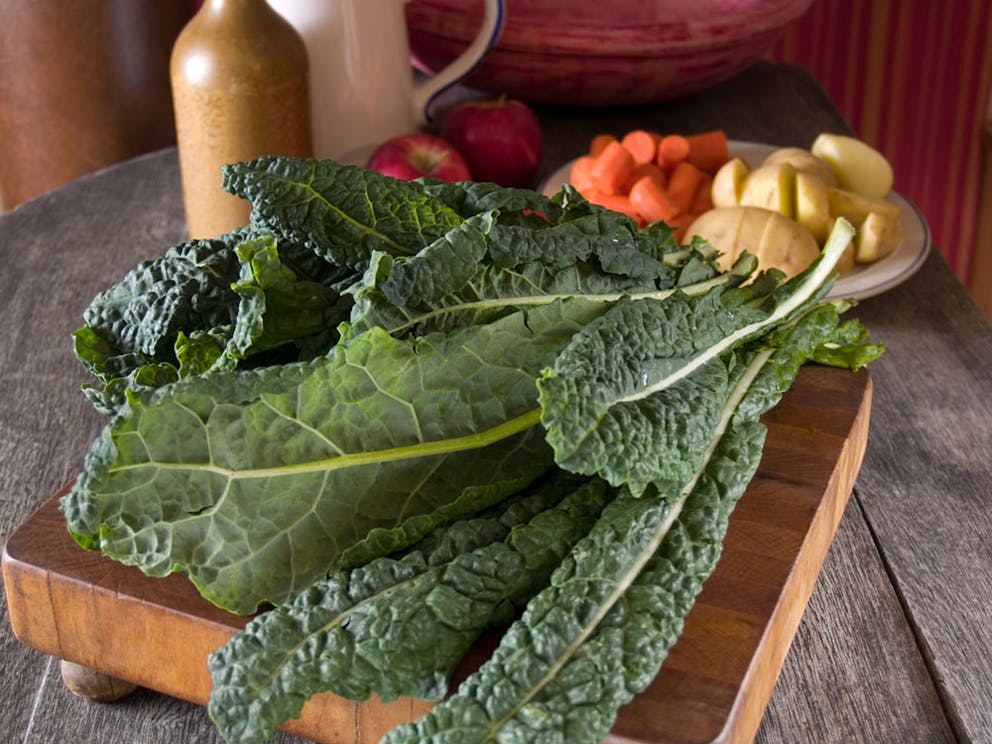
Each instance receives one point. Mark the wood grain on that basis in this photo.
(713, 687)
(841, 677)
(925, 496)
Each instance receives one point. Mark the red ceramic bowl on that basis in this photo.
(602, 52)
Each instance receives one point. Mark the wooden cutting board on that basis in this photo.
(713, 687)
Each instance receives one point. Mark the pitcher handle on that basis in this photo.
(427, 92)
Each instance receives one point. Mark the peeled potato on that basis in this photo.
(753, 229)
(855, 207)
(776, 240)
(771, 187)
(720, 227)
(813, 206)
(786, 245)
(876, 238)
(858, 166)
(728, 183)
(804, 162)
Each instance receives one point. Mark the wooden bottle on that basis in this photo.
(239, 87)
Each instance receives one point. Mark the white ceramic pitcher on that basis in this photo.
(362, 88)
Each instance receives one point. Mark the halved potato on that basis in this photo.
(855, 207)
(728, 183)
(858, 166)
(771, 187)
(786, 245)
(876, 237)
(813, 206)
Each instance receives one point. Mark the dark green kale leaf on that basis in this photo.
(489, 268)
(621, 400)
(598, 634)
(399, 625)
(277, 307)
(186, 289)
(258, 482)
(341, 213)
(207, 302)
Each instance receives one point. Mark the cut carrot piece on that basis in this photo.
(599, 143)
(651, 201)
(672, 149)
(580, 174)
(642, 145)
(680, 225)
(615, 202)
(646, 170)
(593, 195)
(708, 150)
(683, 182)
(703, 200)
(612, 168)
(620, 203)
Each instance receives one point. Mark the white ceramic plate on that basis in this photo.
(862, 282)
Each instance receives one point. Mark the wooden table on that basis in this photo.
(896, 644)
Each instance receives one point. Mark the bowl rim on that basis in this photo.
(459, 25)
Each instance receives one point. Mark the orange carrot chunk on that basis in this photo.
(599, 143)
(620, 203)
(683, 182)
(615, 202)
(593, 195)
(612, 168)
(649, 170)
(651, 201)
(672, 149)
(680, 225)
(708, 150)
(641, 144)
(703, 200)
(580, 174)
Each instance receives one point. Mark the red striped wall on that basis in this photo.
(912, 78)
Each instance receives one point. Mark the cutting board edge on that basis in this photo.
(752, 702)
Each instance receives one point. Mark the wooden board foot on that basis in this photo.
(89, 683)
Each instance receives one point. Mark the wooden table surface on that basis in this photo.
(896, 644)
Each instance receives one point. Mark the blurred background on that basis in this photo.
(84, 84)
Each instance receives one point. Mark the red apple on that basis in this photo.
(500, 139)
(410, 156)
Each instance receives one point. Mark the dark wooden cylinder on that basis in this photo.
(83, 84)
